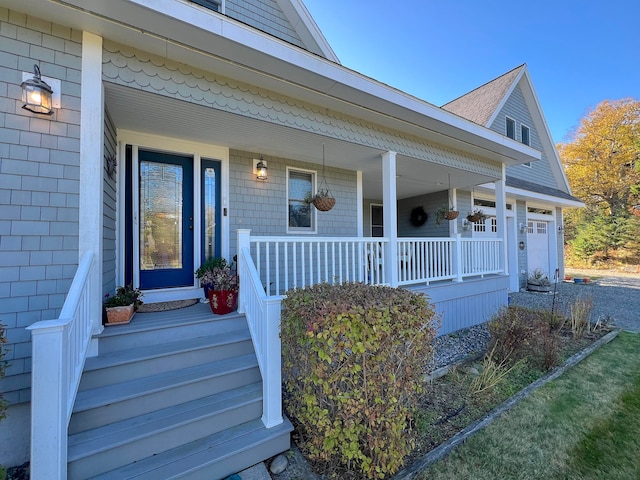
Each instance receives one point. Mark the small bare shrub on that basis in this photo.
(491, 374)
(581, 316)
(520, 333)
(353, 360)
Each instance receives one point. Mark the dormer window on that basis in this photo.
(215, 5)
(511, 127)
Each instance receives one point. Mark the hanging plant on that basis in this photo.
(323, 200)
(446, 213)
(476, 216)
(418, 217)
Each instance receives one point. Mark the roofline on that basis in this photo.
(299, 9)
(529, 195)
(182, 31)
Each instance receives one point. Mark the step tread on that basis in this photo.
(99, 396)
(199, 313)
(93, 441)
(206, 451)
(132, 355)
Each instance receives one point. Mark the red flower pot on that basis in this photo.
(223, 301)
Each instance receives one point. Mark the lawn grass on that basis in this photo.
(583, 425)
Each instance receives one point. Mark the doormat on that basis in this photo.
(164, 306)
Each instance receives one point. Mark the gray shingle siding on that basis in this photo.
(264, 15)
(39, 178)
(109, 209)
(516, 108)
(262, 206)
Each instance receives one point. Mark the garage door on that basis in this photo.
(538, 246)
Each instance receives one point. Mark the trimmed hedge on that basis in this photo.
(354, 356)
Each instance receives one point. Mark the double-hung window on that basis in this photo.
(510, 126)
(300, 188)
(524, 135)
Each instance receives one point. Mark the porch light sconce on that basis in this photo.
(37, 95)
(523, 228)
(560, 228)
(466, 224)
(260, 168)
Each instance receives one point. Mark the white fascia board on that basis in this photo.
(528, 195)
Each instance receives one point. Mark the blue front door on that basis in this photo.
(166, 227)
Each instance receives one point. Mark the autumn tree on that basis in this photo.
(602, 161)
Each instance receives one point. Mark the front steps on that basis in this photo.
(174, 394)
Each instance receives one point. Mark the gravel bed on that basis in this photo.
(616, 301)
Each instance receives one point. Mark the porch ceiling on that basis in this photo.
(144, 112)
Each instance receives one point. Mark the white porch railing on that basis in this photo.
(263, 317)
(269, 266)
(283, 263)
(59, 349)
(426, 260)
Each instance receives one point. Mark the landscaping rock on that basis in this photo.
(279, 464)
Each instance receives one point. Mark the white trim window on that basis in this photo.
(510, 127)
(301, 184)
(525, 136)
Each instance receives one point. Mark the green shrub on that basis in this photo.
(519, 333)
(354, 356)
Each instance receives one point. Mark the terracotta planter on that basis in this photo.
(120, 315)
(223, 301)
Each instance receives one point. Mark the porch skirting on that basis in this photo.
(464, 304)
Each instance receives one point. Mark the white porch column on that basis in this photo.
(91, 170)
(359, 199)
(501, 219)
(390, 216)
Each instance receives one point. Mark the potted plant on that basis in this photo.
(476, 216)
(223, 288)
(121, 306)
(211, 264)
(446, 213)
(538, 281)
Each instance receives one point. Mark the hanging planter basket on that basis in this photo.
(451, 215)
(324, 204)
(323, 200)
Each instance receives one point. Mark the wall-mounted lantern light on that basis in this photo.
(466, 225)
(560, 228)
(37, 94)
(260, 168)
(523, 228)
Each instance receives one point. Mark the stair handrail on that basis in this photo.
(263, 316)
(59, 350)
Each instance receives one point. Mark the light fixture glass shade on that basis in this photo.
(261, 170)
(37, 94)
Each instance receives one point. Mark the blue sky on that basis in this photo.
(579, 53)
